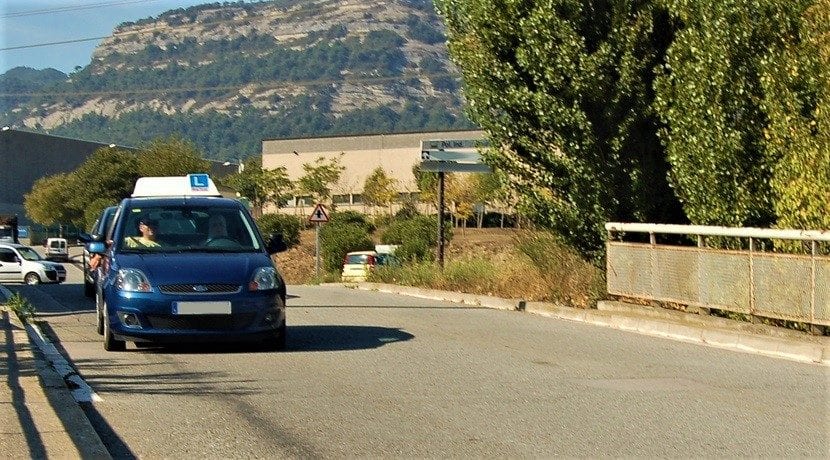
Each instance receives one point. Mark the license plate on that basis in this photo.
(201, 308)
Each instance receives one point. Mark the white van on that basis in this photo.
(57, 249)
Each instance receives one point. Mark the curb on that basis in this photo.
(77, 429)
(686, 327)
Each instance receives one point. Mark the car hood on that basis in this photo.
(52, 265)
(231, 268)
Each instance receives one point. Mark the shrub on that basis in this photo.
(288, 225)
(339, 237)
(571, 279)
(415, 237)
(21, 307)
(353, 218)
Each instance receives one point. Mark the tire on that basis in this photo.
(278, 342)
(110, 342)
(99, 315)
(31, 278)
(89, 289)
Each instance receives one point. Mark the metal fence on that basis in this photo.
(751, 280)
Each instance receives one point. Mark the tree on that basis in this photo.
(172, 156)
(320, 176)
(796, 84)
(709, 95)
(44, 204)
(564, 88)
(261, 186)
(379, 189)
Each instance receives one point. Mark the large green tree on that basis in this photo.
(796, 82)
(564, 87)
(261, 186)
(710, 96)
(171, 156)
(320, 176)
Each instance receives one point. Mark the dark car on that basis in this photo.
(182, 264)
(98, 231)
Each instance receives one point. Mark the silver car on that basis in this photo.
(22, 264)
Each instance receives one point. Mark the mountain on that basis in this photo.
(228, 75)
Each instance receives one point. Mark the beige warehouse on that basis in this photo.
(395, 153)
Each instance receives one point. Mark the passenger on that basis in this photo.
(149, 229)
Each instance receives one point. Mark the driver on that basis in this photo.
(217, 227)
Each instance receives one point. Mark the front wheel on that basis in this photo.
(31, 278)
(278, 342)
(110, 342)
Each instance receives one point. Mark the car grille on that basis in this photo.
(202, 322)
(200, 288)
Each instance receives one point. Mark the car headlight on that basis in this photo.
(264, 278)
(132, 280)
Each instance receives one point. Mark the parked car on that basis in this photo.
(56, 249)
(183, 264)
(22, 264)
(358, 264)
(99, 231)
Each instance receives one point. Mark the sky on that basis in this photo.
(25, 23)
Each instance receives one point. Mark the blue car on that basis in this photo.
(183, 264)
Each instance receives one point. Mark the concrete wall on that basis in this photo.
(395, 153)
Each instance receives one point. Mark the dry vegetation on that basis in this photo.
(491, 261)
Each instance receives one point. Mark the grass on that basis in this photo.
(21, 307)
(536, 267)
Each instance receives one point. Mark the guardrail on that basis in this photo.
(749, 280)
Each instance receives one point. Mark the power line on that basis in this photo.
(63, 9)
(157, 28)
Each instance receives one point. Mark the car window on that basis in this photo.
(358, 259)
(7, 255)
(29, 254)
(188, 228)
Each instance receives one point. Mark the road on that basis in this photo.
(369, 374)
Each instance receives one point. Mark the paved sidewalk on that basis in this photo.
(38, 416)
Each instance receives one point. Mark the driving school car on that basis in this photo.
(187, 284)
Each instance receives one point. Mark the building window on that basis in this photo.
(340, 199)
(357, 198)
(306, 200)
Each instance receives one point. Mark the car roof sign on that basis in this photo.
(175, 186)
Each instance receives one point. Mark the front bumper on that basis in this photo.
(255, 316)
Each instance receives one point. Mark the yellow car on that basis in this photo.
(357, 265)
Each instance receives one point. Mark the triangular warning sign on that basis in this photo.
(319, 214)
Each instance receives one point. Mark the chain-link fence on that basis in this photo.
(675, 264)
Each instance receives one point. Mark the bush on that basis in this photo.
(351, 218)
(289, 226)
(339, 237)
(571, 280)
(415, 237)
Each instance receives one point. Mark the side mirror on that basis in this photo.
(275, 243)
(97, 247)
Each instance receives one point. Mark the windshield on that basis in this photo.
(29, 254)
(186, 228)
(5, 231)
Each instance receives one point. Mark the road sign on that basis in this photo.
(453, 166)
(319, 215)
(451, 155)
(451, 144)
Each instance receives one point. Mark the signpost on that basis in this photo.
(318, 216)
(450, 155)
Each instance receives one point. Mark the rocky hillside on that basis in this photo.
(229, 75)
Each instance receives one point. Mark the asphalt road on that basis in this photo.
(369, 374)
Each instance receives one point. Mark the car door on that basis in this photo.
(10, 269)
